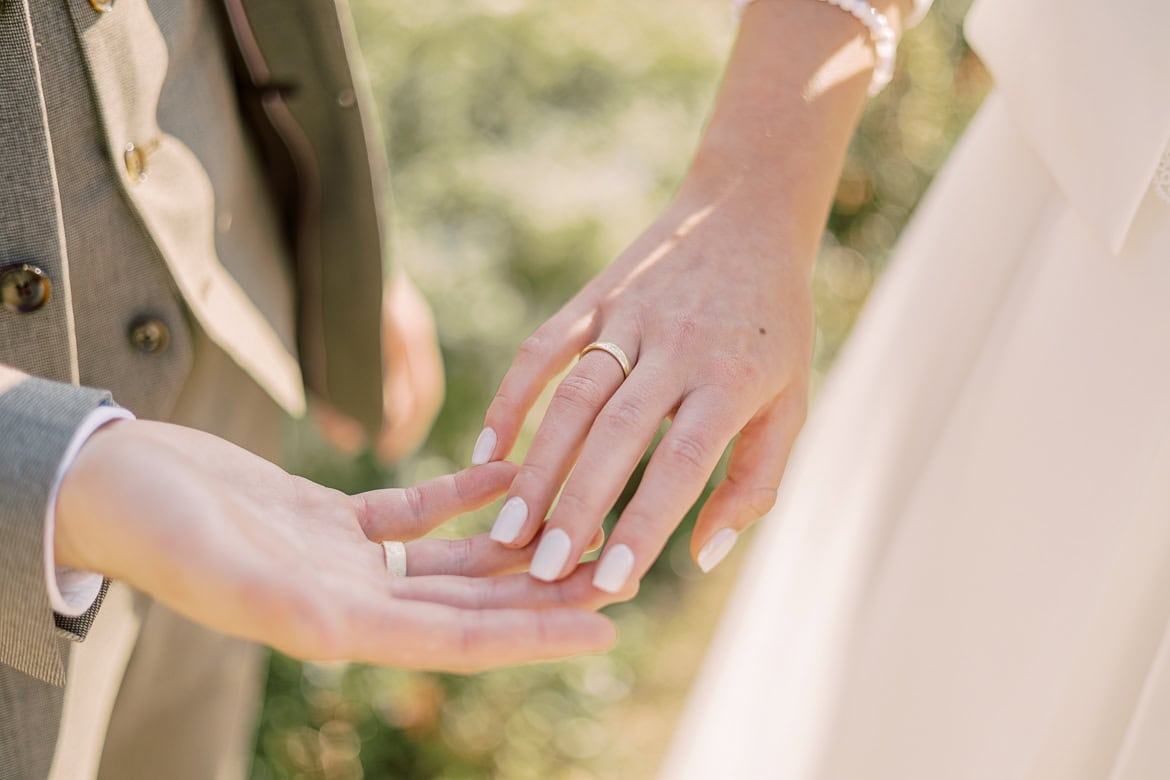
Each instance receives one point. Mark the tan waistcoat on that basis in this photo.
(151, 209)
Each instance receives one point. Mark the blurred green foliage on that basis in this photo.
(529, 143)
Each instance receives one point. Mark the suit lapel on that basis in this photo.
(301, 59)
(126, 58)
(31, 228)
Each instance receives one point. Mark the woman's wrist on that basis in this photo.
(784, 207)
(794, 90)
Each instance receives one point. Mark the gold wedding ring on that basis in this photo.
(613, 350)
(395, 558)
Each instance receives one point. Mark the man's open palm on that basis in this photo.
(237, 544)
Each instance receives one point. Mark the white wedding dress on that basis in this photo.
(967, 576)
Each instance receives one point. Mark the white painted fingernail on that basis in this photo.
(551, 555)
(485, 445)
(716, 550)
(510, 520)
(614, 569)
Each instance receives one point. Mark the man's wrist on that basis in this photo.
(72, 587)
(69, 516)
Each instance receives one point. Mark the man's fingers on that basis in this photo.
(574, 407)
(674, 480)
(619, 436)
(408, 513)
(514, 591)
(421, 635)
(753, 476)
(474, 556)
(541, 357)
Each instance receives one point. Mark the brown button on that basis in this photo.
(24, 288)
(149, 335)
(102, 6)
(135, 157)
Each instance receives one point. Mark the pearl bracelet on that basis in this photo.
(881, 33)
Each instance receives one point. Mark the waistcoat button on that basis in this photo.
(24, 288)
(149, 335)
(102, 6)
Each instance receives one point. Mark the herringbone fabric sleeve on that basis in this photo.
(38, 419)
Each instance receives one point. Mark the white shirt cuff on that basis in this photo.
(73, 592)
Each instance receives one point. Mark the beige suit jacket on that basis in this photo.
(80, 84)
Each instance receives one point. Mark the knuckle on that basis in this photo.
(688, 451)
(532, 478)
(367, 519)
(646, 530)
(739, 370)
(761, 500)
(533, 349)
(636, 523)
(746, 370)
(624, 416)
(464, 495)
(415, 503)
(560, 596)
(462, 555)
(504, 402)
(682, 331)
(579, 391)
(477, 598)
(577, 508)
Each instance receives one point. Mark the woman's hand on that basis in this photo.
(713, 306)
(235, 543)
(716, 316)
